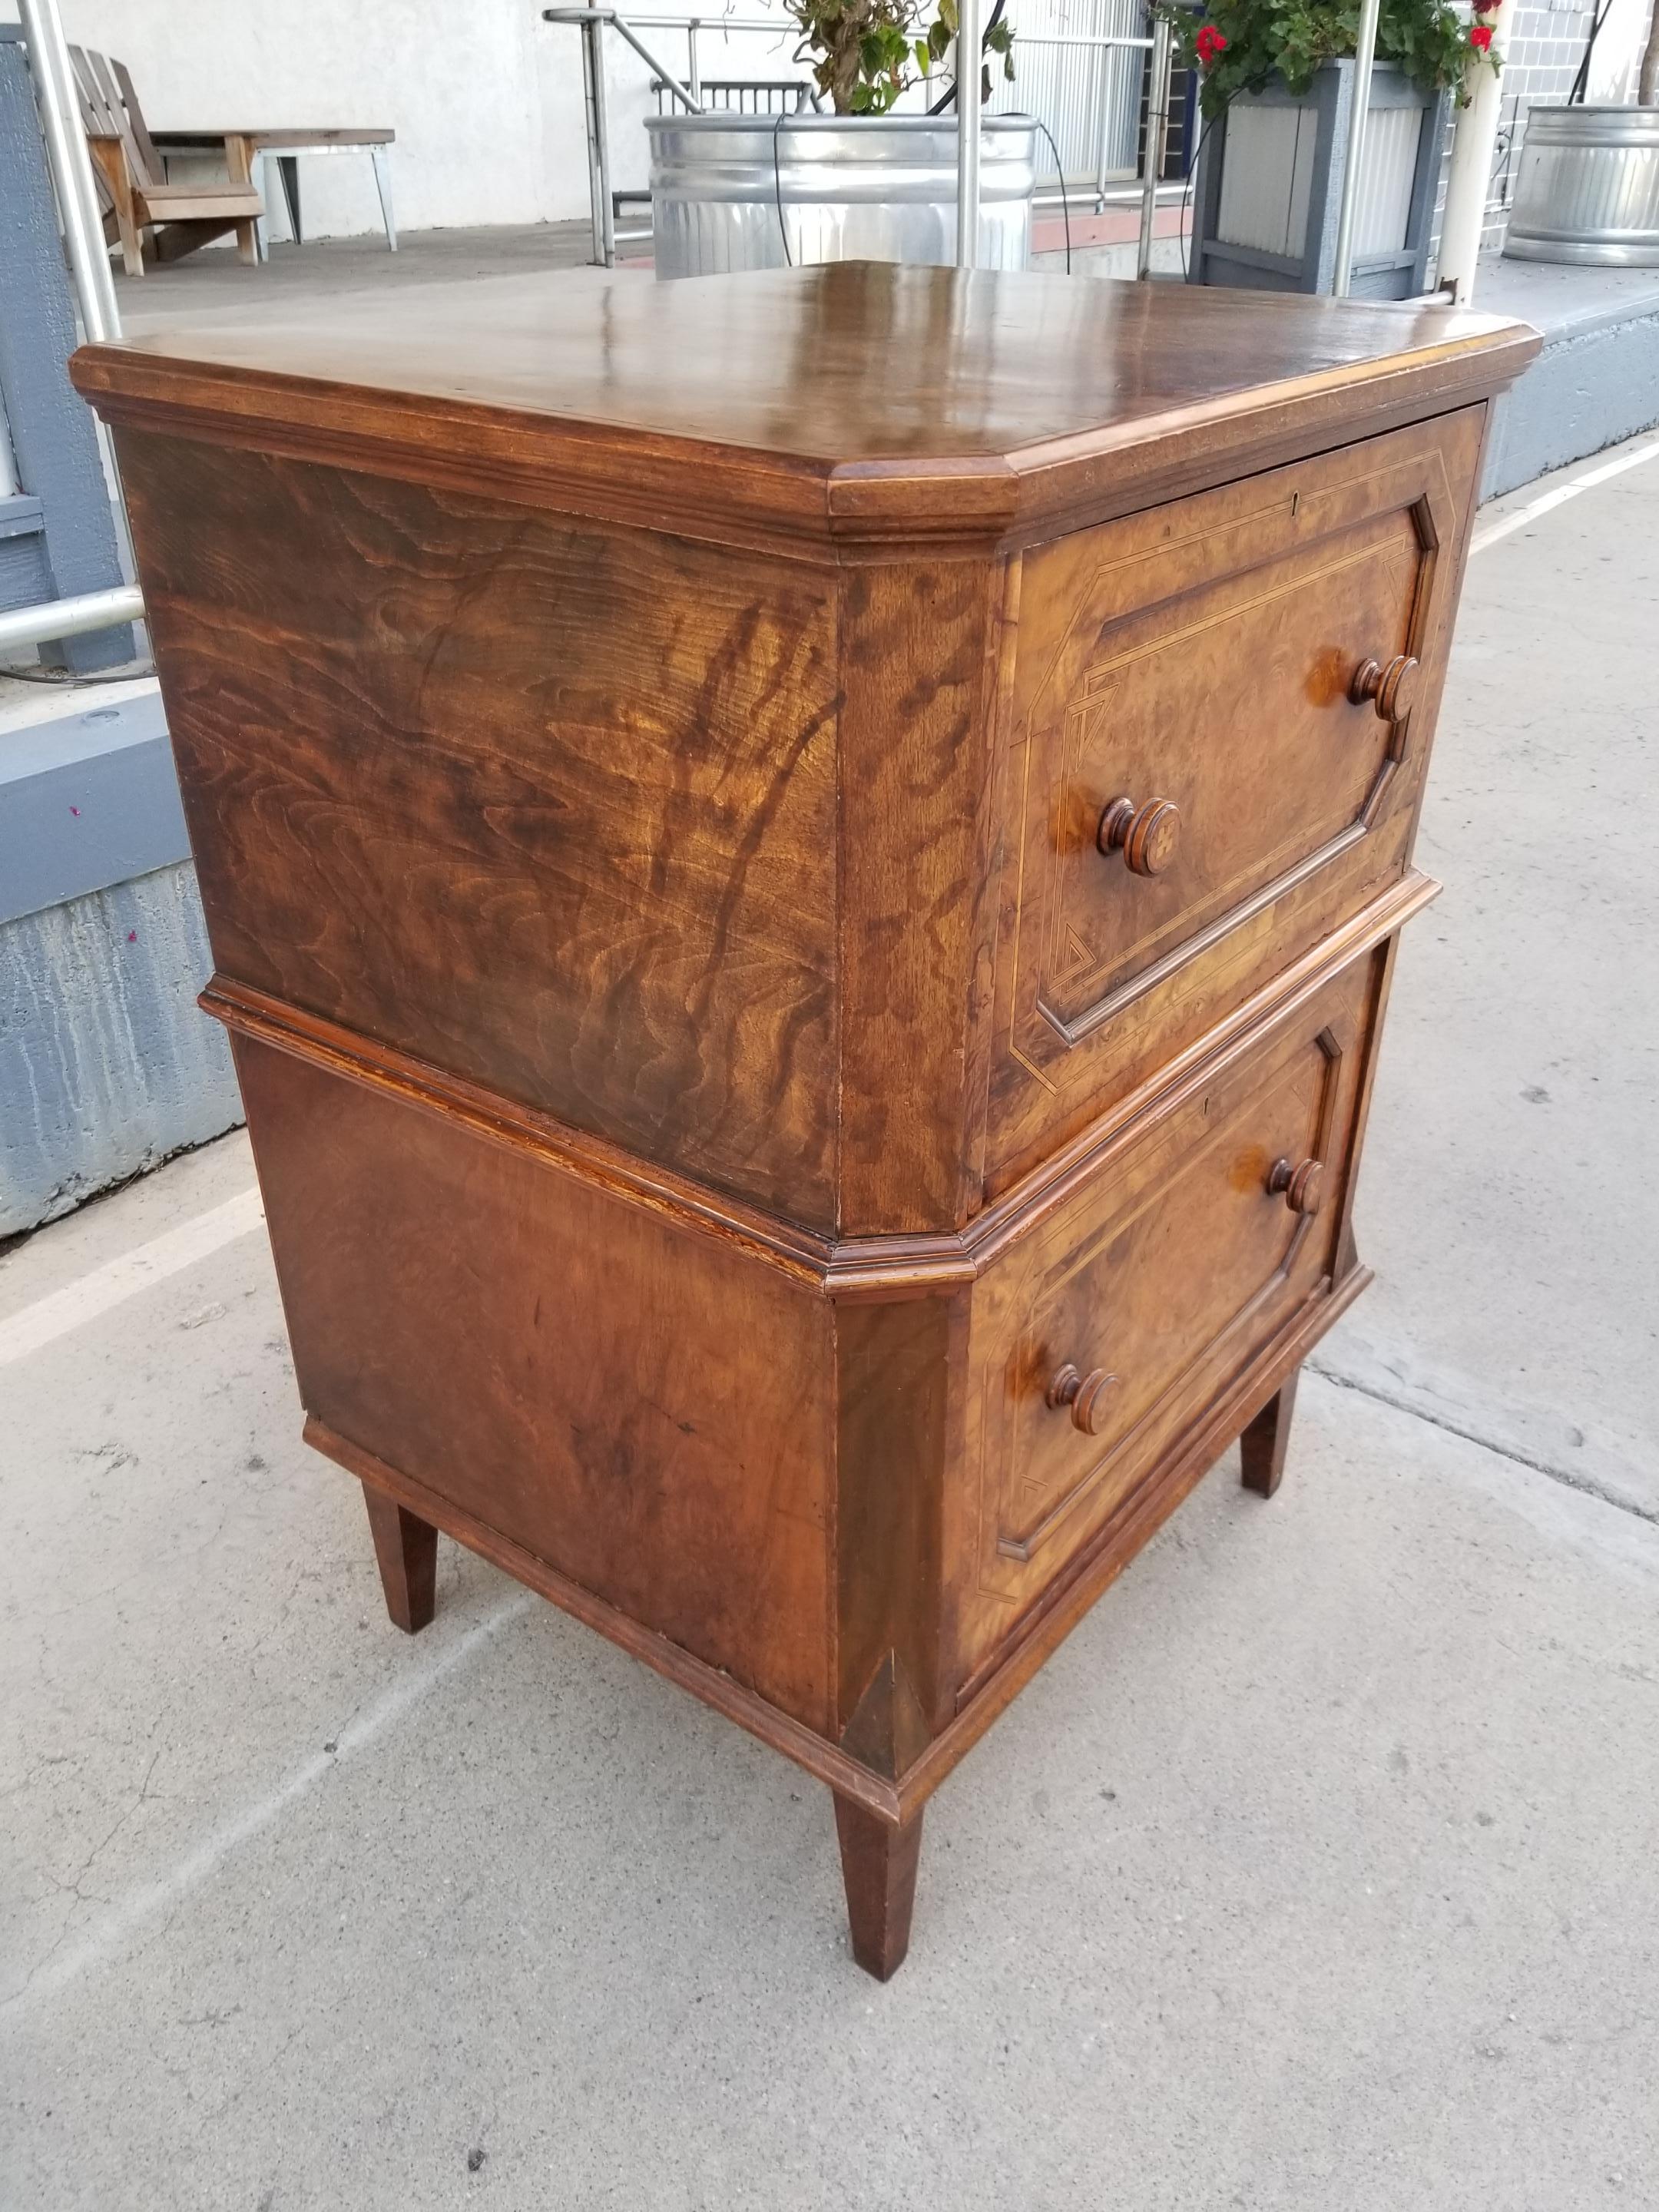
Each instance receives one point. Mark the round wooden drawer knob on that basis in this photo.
(1392, 685)
(1085, 1394)
(1303, 1183)
(1146, 835)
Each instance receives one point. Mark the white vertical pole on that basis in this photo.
(70, 163)
(72, 168)
(1364, 54)
(1468, 180)
(1157, 122)
(969, 34)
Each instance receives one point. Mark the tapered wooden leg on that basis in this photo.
(878, 1866)
(407, 1549)
(1263, 1443)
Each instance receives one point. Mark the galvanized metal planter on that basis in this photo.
(737, 191)
(1587, 188)
(1269, 186)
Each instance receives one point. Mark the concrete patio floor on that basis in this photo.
(1317, 1871)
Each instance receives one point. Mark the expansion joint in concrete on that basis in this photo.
(1404, 1403)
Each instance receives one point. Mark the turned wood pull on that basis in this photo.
(1303, 1183)
(1146, 835)
(1392, 685)
(1085, 1394)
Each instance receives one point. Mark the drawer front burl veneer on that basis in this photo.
(1102, 1337)
(1219, 719)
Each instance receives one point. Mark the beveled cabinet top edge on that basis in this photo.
(844, 404)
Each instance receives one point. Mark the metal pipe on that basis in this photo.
(600, 208)
(58, 618)
(970, 40)
(72, 168)
(671, 82)
(8, 460)
(70, 163)
(693, 74)
(1364, 54)
(1157, 118)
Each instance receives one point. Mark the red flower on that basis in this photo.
(1480, 37)
(1210, 43)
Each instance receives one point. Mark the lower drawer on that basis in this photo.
(1101, 1339)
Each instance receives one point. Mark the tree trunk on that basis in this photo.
(1647, 83)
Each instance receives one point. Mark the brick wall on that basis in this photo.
(1546, 43)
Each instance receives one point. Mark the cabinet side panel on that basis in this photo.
(646, 1411)
(548, 804)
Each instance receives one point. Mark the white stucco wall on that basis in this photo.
(485, 98)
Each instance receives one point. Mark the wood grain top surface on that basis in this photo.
(868, 375)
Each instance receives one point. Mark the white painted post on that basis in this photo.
(72, 168)
(1157, 125)
(1468, 182)
(1364, 54)
(969, 36)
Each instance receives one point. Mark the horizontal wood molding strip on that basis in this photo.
(872, 1266)
(826, 1760)
(520, 1128)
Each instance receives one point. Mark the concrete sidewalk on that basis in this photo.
(1317, 1871)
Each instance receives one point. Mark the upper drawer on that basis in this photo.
(1196, 788)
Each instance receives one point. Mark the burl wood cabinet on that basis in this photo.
(803, 870)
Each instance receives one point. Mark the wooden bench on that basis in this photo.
(138, 195)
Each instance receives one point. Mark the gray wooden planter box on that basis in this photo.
(1269, 186)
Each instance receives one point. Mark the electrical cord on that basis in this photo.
(777, 189)
(68, 681)
(1060, 171)
(1580, 83)
(947, 99)
(1192, 173)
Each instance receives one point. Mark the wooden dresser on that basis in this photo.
(803, 870)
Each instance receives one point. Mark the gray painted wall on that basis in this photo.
(86, 800)
(107, 1065)
(1594, 385)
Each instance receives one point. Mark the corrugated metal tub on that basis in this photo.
(1587, 190)
(726, 190)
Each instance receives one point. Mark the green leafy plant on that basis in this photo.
(866, 52)
(1241, 43)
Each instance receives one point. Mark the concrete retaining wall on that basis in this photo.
(107, 1065)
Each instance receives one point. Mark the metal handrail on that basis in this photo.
(76, 617)
(46, 51)
(593, 22)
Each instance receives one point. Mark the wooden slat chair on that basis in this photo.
(137, 195)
